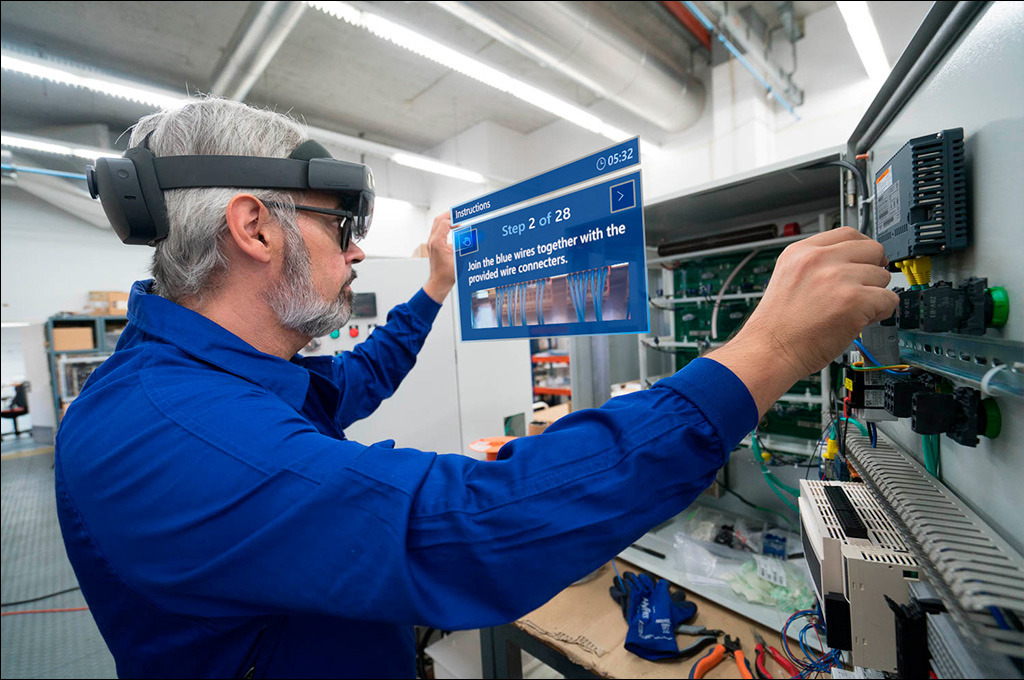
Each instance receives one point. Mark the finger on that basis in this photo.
(834, 236)
(883, 303)
(863, 251)
(868, 275)
(442, 225)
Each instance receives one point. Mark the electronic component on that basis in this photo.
(962, 416)
(969, 308)
(921, 197)
(853, 575)
(364, 305)
(899, 395)
(865, 389)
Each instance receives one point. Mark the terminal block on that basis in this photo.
(899, 395)
(962, 416)
(969, 308)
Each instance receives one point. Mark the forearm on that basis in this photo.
(761, 362)
(437, 289)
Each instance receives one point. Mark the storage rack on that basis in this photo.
(62, 362)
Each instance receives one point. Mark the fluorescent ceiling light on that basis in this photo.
(437, 167)
(466, 65)
(57, 148)
(14, 324)
(79, 76)
(67, 74)
(865, 38)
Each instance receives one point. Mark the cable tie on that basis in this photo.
(987, 379)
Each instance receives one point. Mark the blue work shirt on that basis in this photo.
(220, 523)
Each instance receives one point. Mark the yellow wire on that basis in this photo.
(859, 366)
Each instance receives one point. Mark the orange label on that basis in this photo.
(883, 175)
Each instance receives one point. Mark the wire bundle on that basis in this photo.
(597, 289)
(812, 662)
(578, 293)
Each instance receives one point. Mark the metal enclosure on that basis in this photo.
(968, 74)
(457, 392)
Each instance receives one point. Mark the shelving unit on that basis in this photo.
(69, 369)
(550, 369)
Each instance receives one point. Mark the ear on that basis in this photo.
(249, 224)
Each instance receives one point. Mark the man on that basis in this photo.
(219, 522)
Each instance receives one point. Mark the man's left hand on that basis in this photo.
(442, 260)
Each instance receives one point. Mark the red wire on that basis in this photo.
(46, 611)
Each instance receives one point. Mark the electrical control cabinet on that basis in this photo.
(456, 393)
(934, 394)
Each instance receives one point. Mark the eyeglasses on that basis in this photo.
(348, 228)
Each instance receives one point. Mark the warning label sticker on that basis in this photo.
(887, 206)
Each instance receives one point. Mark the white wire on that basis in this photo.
(721, 292)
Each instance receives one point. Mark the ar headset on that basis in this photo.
(131, 188)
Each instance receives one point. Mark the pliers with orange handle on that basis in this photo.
(712, 659)
(761, 650)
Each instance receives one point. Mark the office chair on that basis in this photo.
(17, 407)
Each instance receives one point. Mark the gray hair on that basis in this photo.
(187, 264)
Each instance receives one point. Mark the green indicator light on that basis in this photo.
(335, 335)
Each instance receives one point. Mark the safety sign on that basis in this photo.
(562, 253)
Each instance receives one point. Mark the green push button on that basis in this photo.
(335, 335)
(1000, 306)
(993, 418)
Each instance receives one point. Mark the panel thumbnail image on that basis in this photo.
(600, 294)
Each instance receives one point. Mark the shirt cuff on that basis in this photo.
(424, 307)
(722, 397)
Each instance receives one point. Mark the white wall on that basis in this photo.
(740, 128)
(50, 260)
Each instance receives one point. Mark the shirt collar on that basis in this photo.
(202, 338)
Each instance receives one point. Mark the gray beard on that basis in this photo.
(296, 302)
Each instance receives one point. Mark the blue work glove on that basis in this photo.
(652, 614)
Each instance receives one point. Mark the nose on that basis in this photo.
(354, 254)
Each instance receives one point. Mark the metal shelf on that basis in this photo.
(709, 300)
(726, 250)
(555, 391)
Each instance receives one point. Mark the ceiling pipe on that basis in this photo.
(260, 34)
(689, 22)
(586, 42)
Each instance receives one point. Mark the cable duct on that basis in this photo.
(588, 43)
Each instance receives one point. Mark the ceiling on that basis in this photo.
(327, 72)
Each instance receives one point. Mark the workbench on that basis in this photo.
(580, 633)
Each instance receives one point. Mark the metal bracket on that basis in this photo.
(968, 359)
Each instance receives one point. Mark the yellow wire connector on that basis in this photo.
(831, 450)
(918, 270)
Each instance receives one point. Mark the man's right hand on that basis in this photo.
(824, 290)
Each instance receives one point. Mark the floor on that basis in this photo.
(51, 644)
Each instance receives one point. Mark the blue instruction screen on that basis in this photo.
(574, 264)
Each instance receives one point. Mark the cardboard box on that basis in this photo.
(546, 416)
(107, 303)
(72, 338)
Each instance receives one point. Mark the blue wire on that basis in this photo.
(540, 302)
(869, 357)
(498, 299)
(998, 616)
(522, 299)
